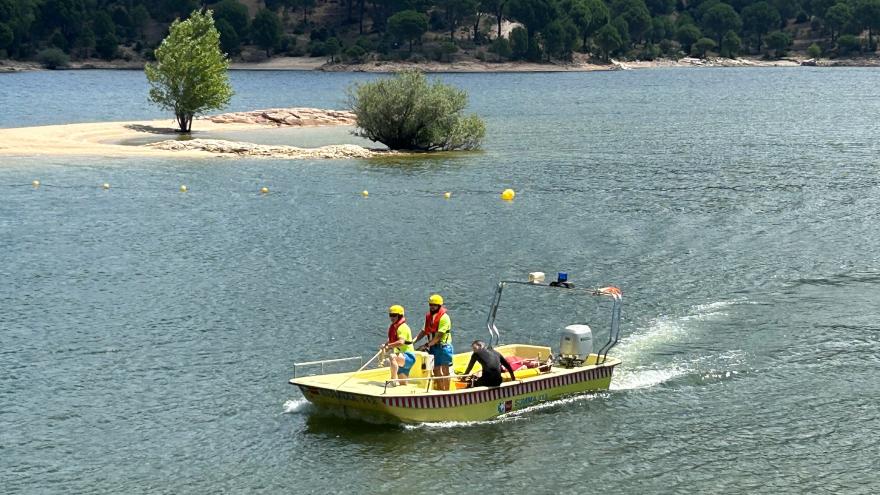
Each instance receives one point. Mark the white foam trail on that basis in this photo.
(662, 330)
(295, 405)
(642, 378)
(553, 403)
(444, 424)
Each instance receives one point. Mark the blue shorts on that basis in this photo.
(410, 359)
(442, 354)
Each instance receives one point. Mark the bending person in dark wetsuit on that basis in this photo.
(491, 361)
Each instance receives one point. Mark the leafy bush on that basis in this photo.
(355, 53)
(649, 52)
(848, 43)
(519, 43)
(288, 44)
(445, 51)
(365, 43)
(317, 49)
(730, 45)
(501, 48)
(814, 51)
(409, 112)
(108, 46)
(53, 58)
(779, 42)
(702, 46)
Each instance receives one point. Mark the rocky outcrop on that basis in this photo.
(287, 117)
(233, 148)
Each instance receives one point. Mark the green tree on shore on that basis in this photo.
(190, 74)
(266, 30)
(408, 25)
(409, 112)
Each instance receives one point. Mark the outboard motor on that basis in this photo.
(575, 345)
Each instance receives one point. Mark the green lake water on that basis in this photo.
(147, 336)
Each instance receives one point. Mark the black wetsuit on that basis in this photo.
(491, 361)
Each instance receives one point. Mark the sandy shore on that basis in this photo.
(105, 139)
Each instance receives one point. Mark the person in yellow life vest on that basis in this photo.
(438, 330)
(400, 340)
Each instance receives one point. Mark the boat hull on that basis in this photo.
(475, 404)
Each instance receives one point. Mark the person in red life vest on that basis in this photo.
(438, 330)
(400, 340)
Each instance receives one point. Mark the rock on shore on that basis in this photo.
(287, 117)
(233, 148)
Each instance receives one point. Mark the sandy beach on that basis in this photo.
(106, 138)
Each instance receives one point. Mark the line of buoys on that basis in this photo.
(506, 195)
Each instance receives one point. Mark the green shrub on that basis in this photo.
(445, 51)
(53, 58)
(649, 52)
(779, 42)
(519, 43)
(501, 48)
(702, 46)
(355, 53)
(848, 43)
(409, 112)
(730, 45)
(366, 43)
(288, 44)
(814, 51)
(317, 49)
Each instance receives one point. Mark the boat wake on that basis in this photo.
(642, 345)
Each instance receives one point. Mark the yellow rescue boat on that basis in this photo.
(369, 394)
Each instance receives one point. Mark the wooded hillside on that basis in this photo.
(355, 30)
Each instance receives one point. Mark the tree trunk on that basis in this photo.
(476, 27)
(184, 121)
(361, 16)
(498, 16)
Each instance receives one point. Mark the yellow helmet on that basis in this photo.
(436, 299)
(397, 309)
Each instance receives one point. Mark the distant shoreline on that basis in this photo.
(466, 65)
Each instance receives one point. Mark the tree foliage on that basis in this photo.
(266, 30)
(408, 26)
(190, 76)
(408, 112)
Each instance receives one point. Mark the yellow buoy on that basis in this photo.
(105, 185)
(264, 190)
(508, 194)
(36, 183)
(365, 193)
(183, 188)
(447, 195)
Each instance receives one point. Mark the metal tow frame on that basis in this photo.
(613, 292)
